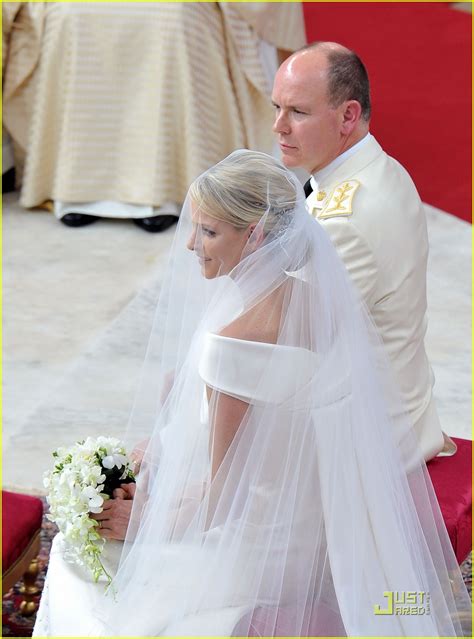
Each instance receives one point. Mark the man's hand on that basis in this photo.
(115, 517)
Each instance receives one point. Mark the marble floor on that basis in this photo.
(77, 305)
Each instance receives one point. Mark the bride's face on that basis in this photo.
(218, 245)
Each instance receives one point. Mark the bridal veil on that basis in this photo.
(281, 491)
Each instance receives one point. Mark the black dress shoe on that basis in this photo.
(157, 223)
(78, 219)
(8, 181)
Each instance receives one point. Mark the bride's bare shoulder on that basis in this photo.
(261, 322)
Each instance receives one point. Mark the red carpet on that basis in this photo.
(418, 56)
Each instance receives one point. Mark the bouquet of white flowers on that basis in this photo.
(84, 476)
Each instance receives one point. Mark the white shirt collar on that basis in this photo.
(321, 175)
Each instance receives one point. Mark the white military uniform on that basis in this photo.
(371, 209)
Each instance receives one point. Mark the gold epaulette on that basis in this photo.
(339, 204)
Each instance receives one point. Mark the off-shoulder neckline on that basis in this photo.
(264, 344)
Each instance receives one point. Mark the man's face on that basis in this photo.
(308, 128)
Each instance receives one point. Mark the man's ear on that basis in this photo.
(351, 116)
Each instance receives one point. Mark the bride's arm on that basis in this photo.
(226, 414)
(225, 417)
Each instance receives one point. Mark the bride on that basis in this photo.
(278, 494)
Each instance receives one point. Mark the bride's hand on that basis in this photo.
(137, 454)
(115, 516)
(126, 491)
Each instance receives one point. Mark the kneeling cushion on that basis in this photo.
(451, 477)
(22, 516)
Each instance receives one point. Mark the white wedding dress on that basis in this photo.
(351, 569)
(71, 603)
(70, 596)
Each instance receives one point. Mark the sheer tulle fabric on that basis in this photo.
(321, 503)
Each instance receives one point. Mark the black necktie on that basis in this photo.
(308, 189)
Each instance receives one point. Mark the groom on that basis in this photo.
(370, 208)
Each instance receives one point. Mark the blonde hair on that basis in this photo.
(243, 187)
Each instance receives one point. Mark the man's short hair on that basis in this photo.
(347, 77)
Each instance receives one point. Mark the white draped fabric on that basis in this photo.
(129, 102)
